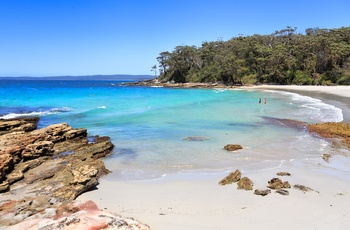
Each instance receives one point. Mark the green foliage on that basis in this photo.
(249, 79)
(302, 78)
(320, 56)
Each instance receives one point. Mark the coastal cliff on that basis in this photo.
(43, 170)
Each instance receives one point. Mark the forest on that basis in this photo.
(316, 57)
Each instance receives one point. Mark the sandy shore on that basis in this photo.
(334, 95)
(186, 201)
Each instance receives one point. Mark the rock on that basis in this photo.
(42, 148)
(303, 188)
(15, 176)
(333, 130)
(4, 186)
(33, 164)
(231, 178)
(76, 215)
(6, 164)
(282, 192)
(233, 147)
(285, 122)
(262, 192)
(196, 138)
(245, 183)
(326, 157)
(16, 125)
(283, 174)
(276, 183)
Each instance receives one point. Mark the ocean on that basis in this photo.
(165, 131)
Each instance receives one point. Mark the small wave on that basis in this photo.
(313, 108)
(39, 112)
(219, 90)
(102, 107)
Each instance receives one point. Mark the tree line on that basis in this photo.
(318, 56)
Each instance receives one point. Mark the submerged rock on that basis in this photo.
(233, 147)
(285, 122)
(196, 138)
(231, 178)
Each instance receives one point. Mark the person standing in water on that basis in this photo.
(265, 100)
(259, 100)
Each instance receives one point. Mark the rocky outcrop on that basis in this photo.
(233, 147)
(231, 178)
(45, 170)
(73, 215)
(157, 83)
(15, 125)
(333, 130)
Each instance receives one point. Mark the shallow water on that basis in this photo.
(148, 125)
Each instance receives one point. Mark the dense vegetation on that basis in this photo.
(320, 56)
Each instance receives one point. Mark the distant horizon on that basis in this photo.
(84, 77)
(83, 37)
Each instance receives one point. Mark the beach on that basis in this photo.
(197, 201)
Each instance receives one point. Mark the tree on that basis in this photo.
(154, 68)
(282, 57)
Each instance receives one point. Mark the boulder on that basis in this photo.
(233, 147)
(245, 183)
(231, 178)
(276, 183)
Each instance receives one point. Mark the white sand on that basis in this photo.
(198, 202)
(343, 91)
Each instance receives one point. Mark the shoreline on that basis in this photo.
(334, 95)
(184, 201)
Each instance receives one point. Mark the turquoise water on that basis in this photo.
(148, 125)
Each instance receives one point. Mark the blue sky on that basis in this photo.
(86, 37)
